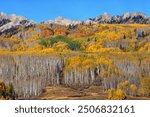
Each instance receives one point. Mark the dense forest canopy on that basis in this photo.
(116, 56)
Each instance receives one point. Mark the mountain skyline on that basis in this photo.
(74, 9)
(12, 23)
(57, 19)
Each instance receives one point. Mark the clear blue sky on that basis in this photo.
(41, 10)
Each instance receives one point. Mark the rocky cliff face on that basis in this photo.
(12, 22)
(63, 21)
(127, 18)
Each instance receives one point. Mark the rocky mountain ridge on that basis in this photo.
(63, 21)
(12, 22)
(127, 18)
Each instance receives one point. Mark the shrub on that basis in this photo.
(61, 46)
(116, 95)
(111, 93)
(10, 92)
(73, 45)
(120, 95)
(44, 42)
(133, 90)
(2, 89)
(124, 86)
(6, 92)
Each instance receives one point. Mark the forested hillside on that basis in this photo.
(114, 56)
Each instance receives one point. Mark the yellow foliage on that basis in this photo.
(146, 48)
(2, 86)
(116, 95)
(120, 86)
(94, 47)
(124, 86)
(111, 93)
(4, 51)
(126, 83)
(133, 89)
(20, 47)
(36, 48)
(102, 50)
(98, 47)
(145, 86)
(103, 60)
(120, 95)
(32, 40)
(61, 47)
(15, 40)
(86, 62)
(47, 51)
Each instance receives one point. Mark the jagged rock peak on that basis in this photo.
(61, 18)
(127, 18)
(134, 14)
(63, 21)
(11, 16)
(8, 22)
(106, 15)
